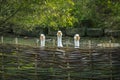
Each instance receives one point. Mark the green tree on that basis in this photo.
(49, 13)
(8, 8)
(56, 14)
(106, 13)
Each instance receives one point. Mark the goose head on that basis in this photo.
(59, 34)
(59, 39)
(42, 40)
(76, 40)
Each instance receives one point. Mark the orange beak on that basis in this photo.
(77, 38)
(59, 33)
(41, 37)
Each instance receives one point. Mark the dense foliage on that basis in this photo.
(56, 14)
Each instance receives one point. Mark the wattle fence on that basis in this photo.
(19, 62)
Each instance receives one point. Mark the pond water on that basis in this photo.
(30, 63)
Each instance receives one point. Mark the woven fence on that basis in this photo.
(31, 63)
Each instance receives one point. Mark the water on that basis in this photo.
(28, 63)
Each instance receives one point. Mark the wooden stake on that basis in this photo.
(53, 42)
(16, 40)
(2, 39)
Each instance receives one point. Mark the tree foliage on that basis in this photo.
(29, 14)
(49, 13)
(107, 13)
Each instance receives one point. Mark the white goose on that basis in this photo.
(59, 39)
(76, 40)
(42, 40)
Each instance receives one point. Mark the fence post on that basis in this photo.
(67, 43)
(110, 57)
(68, 66)
(36, 67)
(68, 75)
(110, 44)
(2, 40)
(52, 66)
(90, 56)
(3, 72)
(16, 40)
(53, 42)
(37, 41)
(89, 44)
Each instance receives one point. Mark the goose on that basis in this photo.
(76, 40)
(42, 40)
(59, 39)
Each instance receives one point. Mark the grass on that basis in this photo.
(67, 41)
(21, 40)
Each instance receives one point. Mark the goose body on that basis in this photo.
(76, 40)
(42, 40)
(59, 39)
